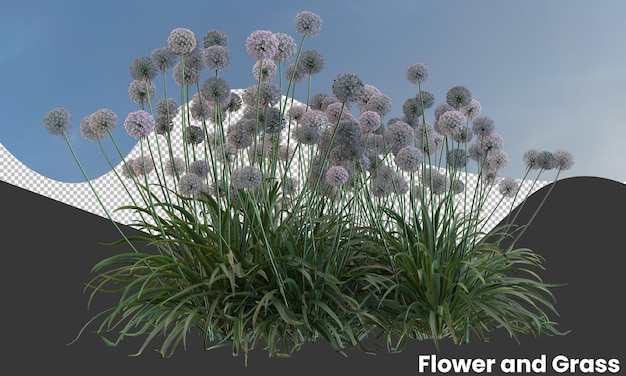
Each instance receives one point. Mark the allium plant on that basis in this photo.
(273, 223)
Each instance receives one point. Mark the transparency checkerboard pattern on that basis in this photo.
(113, 194)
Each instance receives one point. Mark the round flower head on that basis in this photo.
(289, 185)
(379, 103)
(163, 125)
(412, 108)
(285, 153)
(457, 186)
(564, 159)
(508, 187)
(272, 120)
(380, 187)
(139, 124)
(456, 158)
(264, 70)
(226, 153)
(175, 166)
(199, 167)
(215, 38)
(482, 126)
(463, 135)
(57, 121)
(370, 91)
(547, 160)
(334, 112)
(103, 121)
(216, 57)
(458, 97)
(435, 181)
(475, 151)
(491, 142)
(190, 185)
(200, 109)
(531, 159)
(348, 87)
(497, 159)
(336, 176)
(472, 109)
(182, 41)
(194, 59)
(399, 185)
(164, 58)
(426, 98)
(296, 112)
(306, 135)
(86, 131)
(190, 75)
(315, 119)
(327, 101)
(267, 94)
(286, 48)
(308, 23)
(141, 92)
(127, 169)
(239, 136)
(315, 103)
(194, 135)
(409, 159)
(143, 69)
(417, 73)
(262, 44)
(166, 107)
(310, 62)
(142, 166)
(370, 121)
(441, 109)
(292, 74)
(234, 103)
(216, 90)
(248, 177)
(450, 122)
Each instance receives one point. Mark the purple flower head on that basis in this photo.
(201, 109)
(296, 112)
(491, 142)
(370, 91)
(165, 107)
(216, 90)
(190, 185)
(426, 98)
(239, 135)
(142, 166)
(310, 62)
(348, 87)
(334, 112)
(435, 181)
(547, 161)
(409, 159)
(463, 135)
(264, 71)
(308, 23)
(472, 109)
(306, 134)
(315, 119)
(336, 176)
(215, 38)
(141, 92)
(399, 135)
(163, 125)
(458, 97)
(262, 44)
(216, 57)
(57, 121)
(248, 177)
(200, 167)
(450, 122)
(139, 124)
(175, 167)
(564, 159)
(483, 126)
(190, 75)
(531, 159)
(379, 103)
(292, 74)
(441, 109)
(267, 94)
(86, 131)
(143, 69)
(508, 187)
(456, 158)
(234, 103)
(103, 121)
(327, 101)
(370, 121)
(496, 160)
(417, 73)
(412, 108)
(194, 135)
(163, 57)
(182, 41)
(286, 48)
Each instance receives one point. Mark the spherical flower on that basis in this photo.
(370, 121)
(163, 125)
(296, 112)
(234, 103)
(547, 161)
(348, 87)
(141, 92)
(409, 159)
(267, 94)
(334, 112)
(239, 136)
(531, 159)
(472, 109)
(306, 134)
(163, 57)
(441, 109)
(142, 165)
(417, 73)
(327, 101)
(457, 186)
(497, 159)
(190, 185)
(564, 159)
(458, 97)
(286, 48)
(315, 103)
(308, 23)
(285, 153)
(200, 109)
(289, 185)
(200, 167)
(194, 135)
(370, 91)
(426, 98)
(412, 108)
(336, 176)
(194, 59)
(215, 38)
(399, 135)
(491, 142)
(264, 70)
(450, 122)
(216, 57)
(475, 151)
(435, 181)
(315, 119)
(248, 177)
(175, 167)
(482, 126)
(166, 107)
(139, 124)
(190, 75)
(103, 121)
(262, 44)
(272, 120)
(216, 90)
(225, 153)
(292, 74)
(456, 158)
(86, 131)
(399, 185)
(463, 135)
(380, 103)
(182, 41)
(310, 62)
(143, 69)
(508, 187)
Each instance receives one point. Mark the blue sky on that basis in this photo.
(550, 73)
